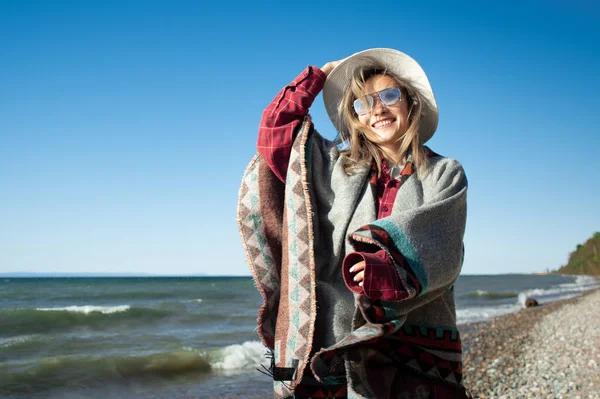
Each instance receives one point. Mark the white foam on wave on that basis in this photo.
(11, 341)
(588, 282)
(87, 309)
(250, 354)
(473, 314)
(562, 291)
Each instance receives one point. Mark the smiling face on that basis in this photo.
(385, 125)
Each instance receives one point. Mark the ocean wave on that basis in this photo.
(15, 341)
(198, 300)
(562, 291)
(491, 295)
(124, 295)
(94, 371)
(471, 314)
(17, 322)
(249, 355)
(87, 309)
(481, 313)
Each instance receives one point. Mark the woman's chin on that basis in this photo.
(387, 139)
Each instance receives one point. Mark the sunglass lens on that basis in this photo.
(363, 105)
(390, 96)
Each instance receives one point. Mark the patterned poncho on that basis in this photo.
(296, 235)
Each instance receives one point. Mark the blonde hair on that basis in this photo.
(360, 151)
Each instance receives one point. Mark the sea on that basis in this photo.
(178, 337)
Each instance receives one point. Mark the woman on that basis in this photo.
(355, 244)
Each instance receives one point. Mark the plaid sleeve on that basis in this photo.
(381, 279)
(282, 117)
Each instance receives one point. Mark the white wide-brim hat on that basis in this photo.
(395, 62)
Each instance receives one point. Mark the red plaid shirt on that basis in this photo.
(381, 280)
(278, 125)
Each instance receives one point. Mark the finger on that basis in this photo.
(359, 276)
(357, 267)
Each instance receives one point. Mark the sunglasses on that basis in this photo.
(387, 97)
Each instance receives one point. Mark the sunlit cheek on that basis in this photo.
(364, 119)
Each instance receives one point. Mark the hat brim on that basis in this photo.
(397, 63)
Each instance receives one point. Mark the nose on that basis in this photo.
(378, 106)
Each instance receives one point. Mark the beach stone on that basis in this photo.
(530, 302)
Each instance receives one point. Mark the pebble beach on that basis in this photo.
(549, 351)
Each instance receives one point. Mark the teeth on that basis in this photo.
(382, 123)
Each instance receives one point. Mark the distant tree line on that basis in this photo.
(585, 259)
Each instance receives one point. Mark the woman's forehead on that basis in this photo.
(380, 82)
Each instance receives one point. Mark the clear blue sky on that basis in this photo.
(125, 126)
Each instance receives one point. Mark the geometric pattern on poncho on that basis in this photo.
(300, 270)
(318, 392)
(259, 254)
(417, 358)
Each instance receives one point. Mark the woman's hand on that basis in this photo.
(359, 269)
(330, 66)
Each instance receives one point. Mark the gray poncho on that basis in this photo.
(297, 234)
